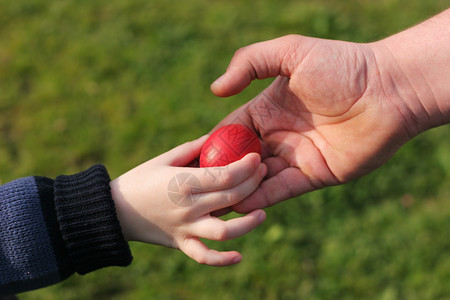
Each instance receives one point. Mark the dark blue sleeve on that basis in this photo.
(50, 229)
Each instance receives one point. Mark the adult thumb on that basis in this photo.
(258, 61)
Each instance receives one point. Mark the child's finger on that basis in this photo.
(212, 201)
(199, 252)
(219, 230)
(221, 178)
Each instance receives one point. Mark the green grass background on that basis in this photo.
(120, 81)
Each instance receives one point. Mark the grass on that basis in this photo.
(118, 82)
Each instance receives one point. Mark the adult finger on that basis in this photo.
(259, 61)
(221, 212)
(289, 183)
(275, 165)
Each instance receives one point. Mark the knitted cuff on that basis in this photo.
(88, 222)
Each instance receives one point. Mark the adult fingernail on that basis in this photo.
(218, 80)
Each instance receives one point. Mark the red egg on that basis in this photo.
(228, 144)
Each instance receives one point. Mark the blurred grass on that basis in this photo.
(118, 82)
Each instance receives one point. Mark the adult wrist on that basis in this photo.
(414, 69)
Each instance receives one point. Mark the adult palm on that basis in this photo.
(330, 116)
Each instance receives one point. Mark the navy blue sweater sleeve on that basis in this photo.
(50, 229)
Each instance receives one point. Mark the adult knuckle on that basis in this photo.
(241, 51)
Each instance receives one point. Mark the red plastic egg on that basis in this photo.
(228, 144)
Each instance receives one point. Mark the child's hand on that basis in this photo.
(162, 202)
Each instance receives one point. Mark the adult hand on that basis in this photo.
(336, 111)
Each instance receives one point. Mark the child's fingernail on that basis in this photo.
(236, 259)
(262, 216)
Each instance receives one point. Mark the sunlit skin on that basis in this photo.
(338, 110)
(147, 214)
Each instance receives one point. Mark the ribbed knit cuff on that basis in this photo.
(87, 218)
